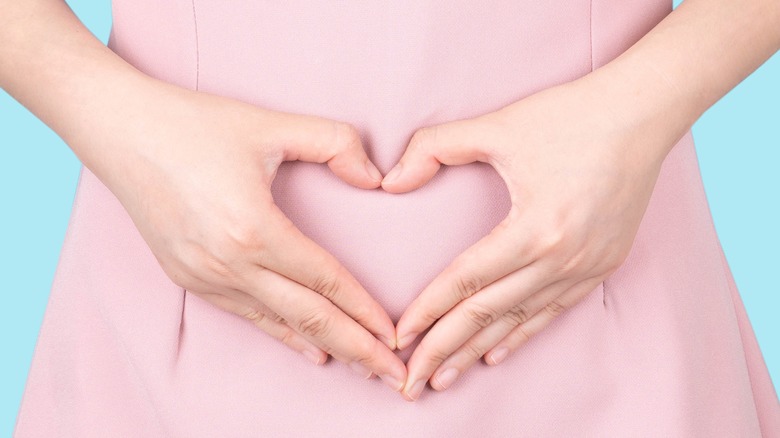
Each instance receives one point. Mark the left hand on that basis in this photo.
(580, 174)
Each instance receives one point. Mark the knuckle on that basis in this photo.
(328, 285)
(520, 335)
(228, 256)
(479, 315)
(317, 324)
(472, 350)
(466, 286)
(275, 317)
(208, 263)
(423, 138)
(436, 355)
(573, 264)
(429, 315)
(242, 237)
(220, 267)
(518, 314)
(254, 315)
(363, 351)
(551, 242)
(554, 308)
(347, 136)
(288, 338)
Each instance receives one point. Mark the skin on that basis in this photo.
(580, 161)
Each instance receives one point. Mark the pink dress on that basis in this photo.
(662, 348)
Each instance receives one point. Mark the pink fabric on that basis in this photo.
(662, 348)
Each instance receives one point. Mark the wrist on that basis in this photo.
(643, 101)
(59, 71)
(692, 58)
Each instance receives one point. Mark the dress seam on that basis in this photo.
(197, 47)
(590, 34)
(593, 67)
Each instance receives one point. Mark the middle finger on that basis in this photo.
(496, 255)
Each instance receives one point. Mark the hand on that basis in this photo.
(580, 179)
(195, 171)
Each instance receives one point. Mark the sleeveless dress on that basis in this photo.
(662, 348)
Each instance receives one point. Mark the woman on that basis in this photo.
(570, 219)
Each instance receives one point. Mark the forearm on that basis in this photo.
(691, 59)
(57, 69)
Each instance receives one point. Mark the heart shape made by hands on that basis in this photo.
(393, 244)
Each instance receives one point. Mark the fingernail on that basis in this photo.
(446, 377)
(499, 355)
(313, 358)
(360, 369)
(373, 172)
(392, 382)
(393, 175)
(406, 340)
(416, 389)
(390, 344)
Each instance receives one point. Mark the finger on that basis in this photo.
(487, 338)
(269, 322)
(491, 258)
(539, 321)
(325, 325)
(466, 319)
(451, 143)
(292, 254)
(321, 140)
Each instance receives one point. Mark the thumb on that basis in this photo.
(451, 143)
(320, 140)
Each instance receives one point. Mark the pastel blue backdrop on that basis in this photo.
(738, 142)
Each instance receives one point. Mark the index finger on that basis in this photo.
(499, 253)
(291, 253)
(326, 326)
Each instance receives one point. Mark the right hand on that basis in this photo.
(194, 173)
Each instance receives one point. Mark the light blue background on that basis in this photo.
(738, 141)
